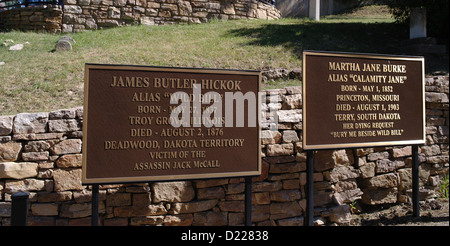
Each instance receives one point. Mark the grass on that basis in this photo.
(443, 187)
(37, 79)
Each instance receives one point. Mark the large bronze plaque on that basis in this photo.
(128, 131)
(362, 100)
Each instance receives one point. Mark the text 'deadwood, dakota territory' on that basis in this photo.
(153, 123)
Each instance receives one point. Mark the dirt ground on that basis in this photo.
(432, 213)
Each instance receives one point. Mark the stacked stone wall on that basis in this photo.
(40, 153)
(80, 15)
(40, 19)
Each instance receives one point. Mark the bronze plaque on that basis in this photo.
(362, 100)
(156, 123)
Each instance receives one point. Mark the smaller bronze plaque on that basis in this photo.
(155, 123)
(362, 100)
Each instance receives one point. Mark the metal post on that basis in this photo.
(415, 181)
(314, 10)
(19, 210)
(95, 200)
(248, 201)
(309, 188)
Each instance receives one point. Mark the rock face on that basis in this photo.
(41, 153)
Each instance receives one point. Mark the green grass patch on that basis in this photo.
(38, 79)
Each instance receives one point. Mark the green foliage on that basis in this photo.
(437, 14)
(443, 187)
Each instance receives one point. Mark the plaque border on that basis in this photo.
(161, 178)
(364, 144)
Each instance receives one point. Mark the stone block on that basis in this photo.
(290, 136)
(386, 165)
(91, 24)
(342, 173)
(347, 196)
(107, 2)
(260, 198)
(270, 137)
(29, 184)
(378, 156)
(382, 181)
(368, 170)
(63, 125)
(107, 23)
(210, 219)
(280, 149)
(148, 21)
(52, 197)
(67, 179)
(62, 114)
(77, 210)
(72, 9)
(260, 212)
(19, 170)
(292, 116)
(296, 221)
(285, 210)
(405, 179)
(435, 121)
(9, 151)
(340, 214)
(35, 156)
(228, 9)
(113, 13)
(69, 161)
(435, 97)
(120, 3)
(379, 196)
(343, 157)
(30, 123)
(69, 146)
(210, 183)
(231, 206)
(147, 220)
(291, 167)
(285, 195)
(118, 199)
(292, 101)
(84, 2)
(211, 193)
(6, 123)
(44, 209)
(267, 186)
(5, 209)
(430, 150)
(294, 89)
(178, 220)
(36, 146)
(172, 192)
(193, 207)
(402, 152)
(323, 160)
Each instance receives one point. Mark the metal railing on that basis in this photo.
(15, 4)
